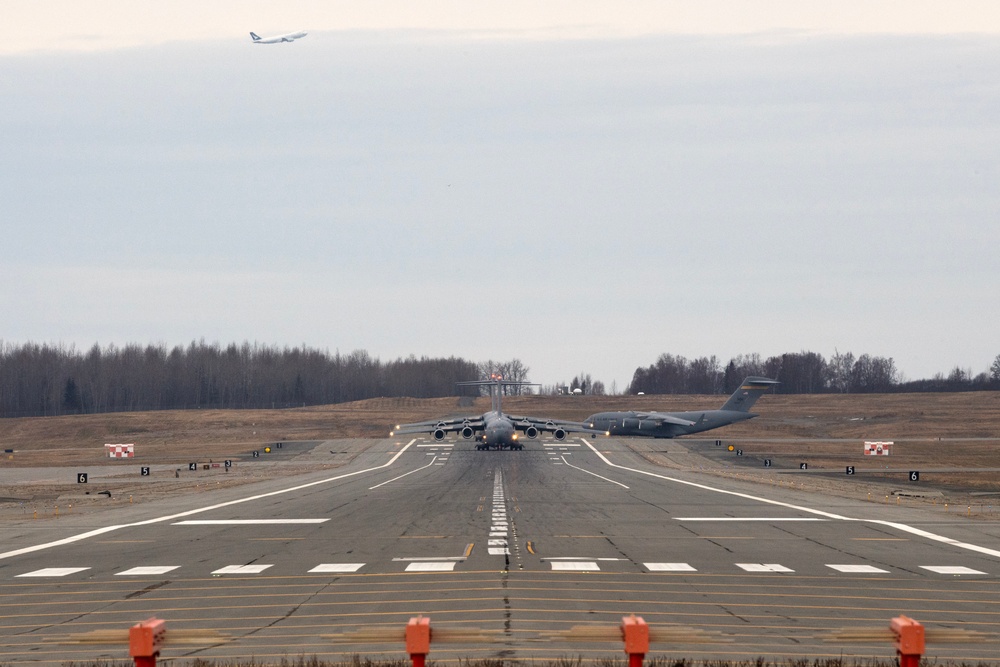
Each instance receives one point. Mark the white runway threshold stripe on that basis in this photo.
(763, 567)
(246, 522)
(669, 567)
(145, 571)
(575, 566)
(242, 569)
(337, 568)
(431, 567)
(54, 572)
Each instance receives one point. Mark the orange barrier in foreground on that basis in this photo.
(146, 639)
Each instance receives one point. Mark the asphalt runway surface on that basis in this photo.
(521, 545)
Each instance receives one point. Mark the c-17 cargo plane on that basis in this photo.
(670, 424)
(494, 429)
(277, 39)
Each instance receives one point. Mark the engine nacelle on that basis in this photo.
(531, 432)
(467, 432)
(559, 434)
(439, 434)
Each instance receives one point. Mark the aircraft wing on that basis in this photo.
(665, 418)
(552, 425)
(446, 425)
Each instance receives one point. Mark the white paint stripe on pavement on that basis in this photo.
(244, 522)
(147, 570)
(54, 572)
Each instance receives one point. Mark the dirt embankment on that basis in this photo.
(931, 431)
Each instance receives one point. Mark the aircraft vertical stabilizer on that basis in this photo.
(747, 394)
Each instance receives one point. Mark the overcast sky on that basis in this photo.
(574, 187)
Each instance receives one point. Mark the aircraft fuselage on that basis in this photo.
(498, 432)
(632, 423)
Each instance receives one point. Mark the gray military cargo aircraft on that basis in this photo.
(494, 429)
(671, 424)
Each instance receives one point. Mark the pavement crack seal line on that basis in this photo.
(809, 510)
(171, 517)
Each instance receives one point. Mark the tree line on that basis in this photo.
(43, 380)
(799, 373)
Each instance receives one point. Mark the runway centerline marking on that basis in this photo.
(199, 510)
(892, 524)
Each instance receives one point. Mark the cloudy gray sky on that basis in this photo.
(569, 186)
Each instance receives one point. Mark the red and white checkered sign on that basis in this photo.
(878, 448)
(120, 451)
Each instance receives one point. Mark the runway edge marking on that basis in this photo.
(239, 501)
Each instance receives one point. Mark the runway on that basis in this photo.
(513, 543)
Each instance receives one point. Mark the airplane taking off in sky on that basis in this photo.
(670, 424)
(494, 429)
(277, 39)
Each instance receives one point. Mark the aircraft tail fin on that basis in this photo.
(254, 36)
(495, 382)
(747, 393)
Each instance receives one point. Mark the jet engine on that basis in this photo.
(439, 434)
(559, 434)
(467, 432)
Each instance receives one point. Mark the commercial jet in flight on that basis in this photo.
(670, 424)
(494, 429)
(277, 39)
